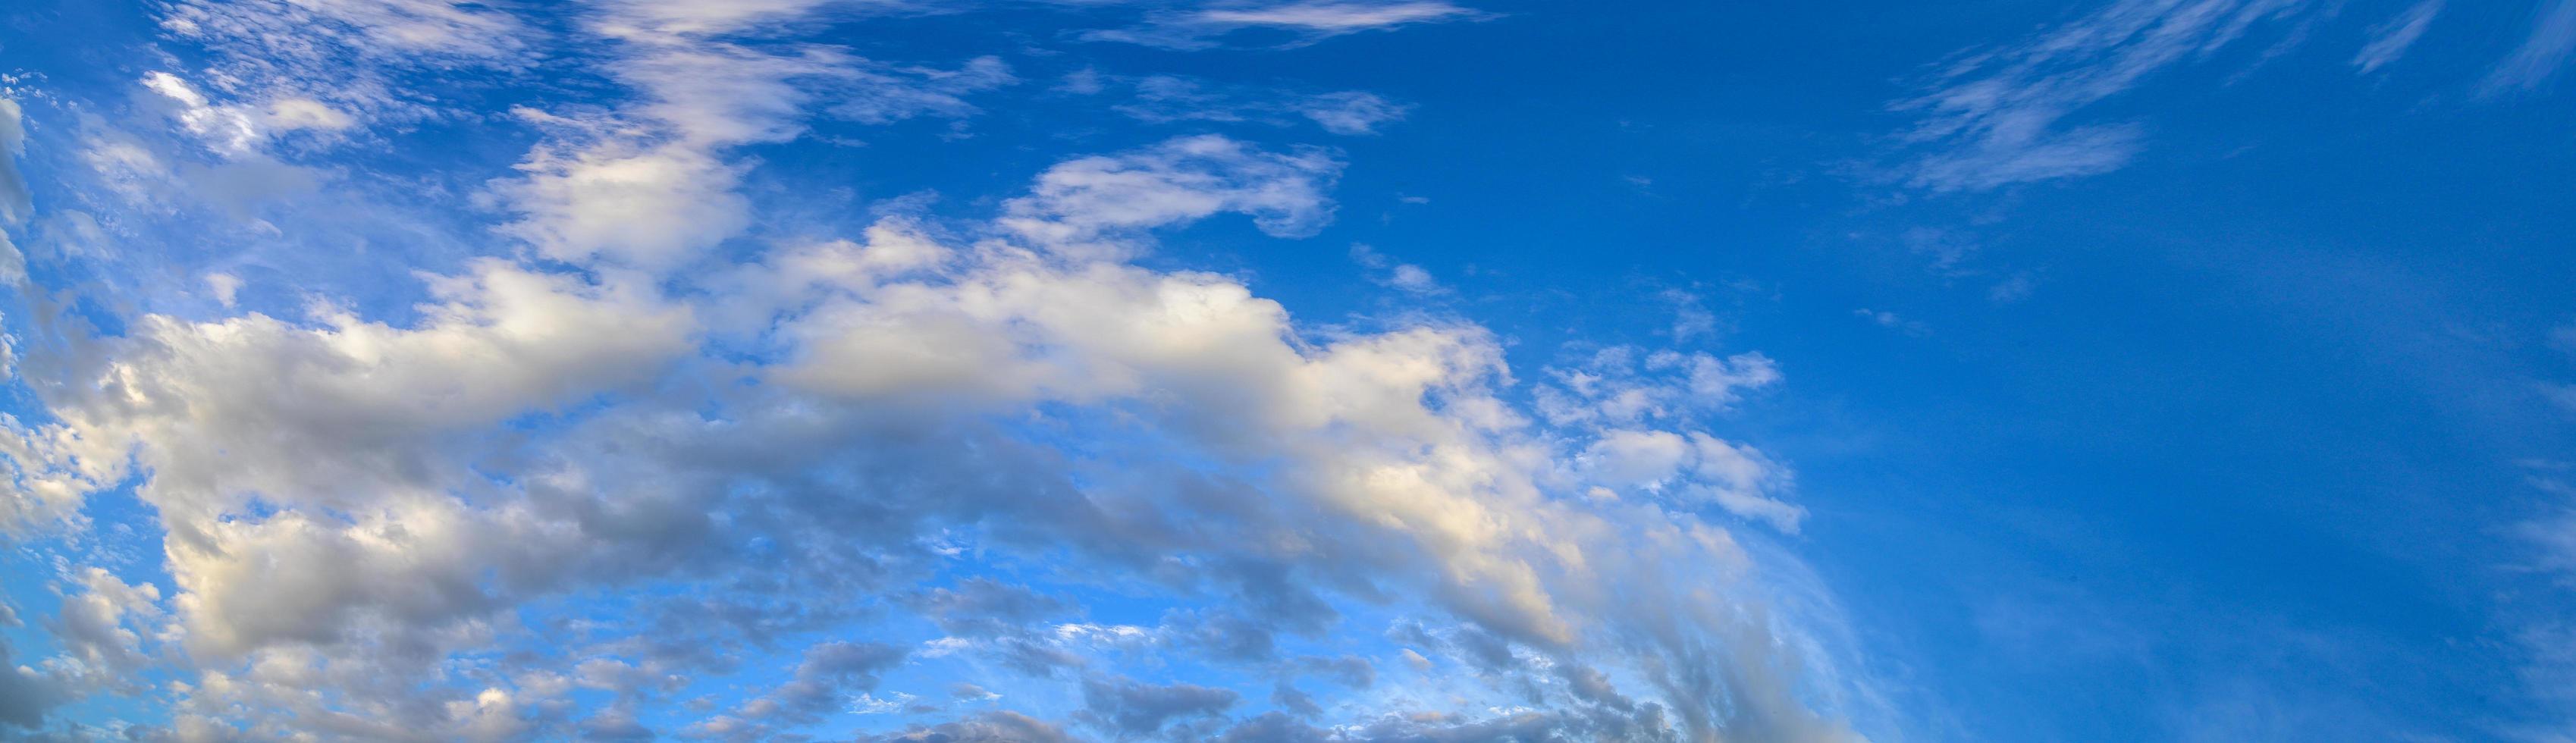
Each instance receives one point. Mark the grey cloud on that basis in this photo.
(969, 692)
(16, 202)
(984, 607)
(829, 672)
(614, 725)
(1351, 671)
(1646, 726)
(1034, 657)
(25, 695)
(1135, 708)
(996, 727)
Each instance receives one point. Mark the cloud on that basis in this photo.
(823, 682)
(16, 202)
(2001, 117)
(2390, 40)
(1404, 277)
(984, 607)
(1094, 206)
(653, 185)
(1598, 724)
(25, 695)
(325, 64)
(398, 502)
(996, 727)
(1168, 98)
(2564, 395)
(1130, 708)
(1304, 21)
(1899, 323)
(384, 401)
(2553, 36)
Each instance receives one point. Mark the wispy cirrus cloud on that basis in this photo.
(1301, 21)
(2014, 114)
(1172, 98)
(2543, 53)
(2391, 38)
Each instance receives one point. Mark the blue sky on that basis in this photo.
(1288, 370)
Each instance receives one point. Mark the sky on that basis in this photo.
(1288, 371)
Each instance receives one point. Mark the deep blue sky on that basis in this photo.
(2110, 370)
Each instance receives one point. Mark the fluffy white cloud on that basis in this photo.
(354, 499)
(363, 510)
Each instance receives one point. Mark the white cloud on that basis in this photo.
(2564, 395)
(2000, 117)
(1893, 321)
(1351, 113)
(445, 28)
(332, 64)
(227, 129)
(653, 186)
(226, 287)
(1095, 205)
(652, 208)
(1169, 98)
(1405, 277)
(2553, 37)
(1306, 21)
(1623, 385)
(1692, 468)
(387, 495)
(2390, 40)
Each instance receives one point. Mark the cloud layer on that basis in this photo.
(635, 443)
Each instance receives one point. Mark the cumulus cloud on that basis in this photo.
(25, 694)
(378, 519)
(1385, 458)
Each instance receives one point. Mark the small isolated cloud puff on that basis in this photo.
(1095, 205)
